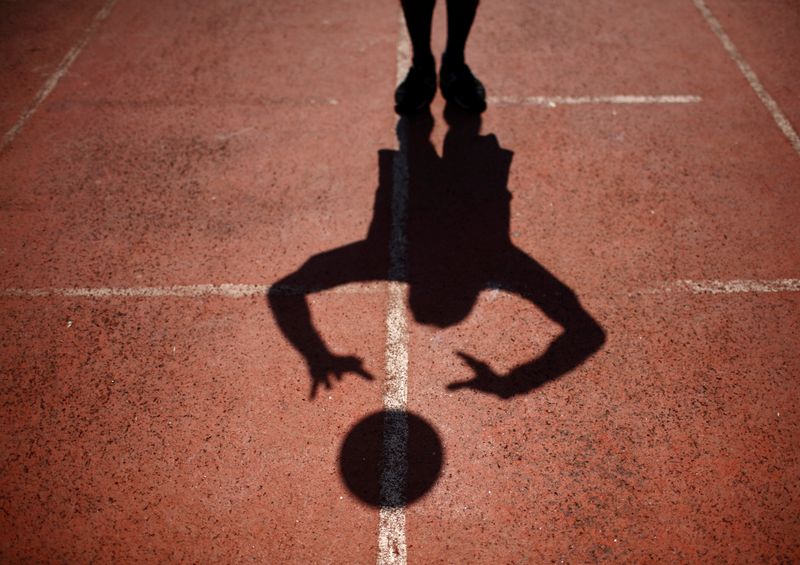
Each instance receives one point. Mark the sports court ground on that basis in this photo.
(197, 198)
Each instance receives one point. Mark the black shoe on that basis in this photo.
(460, 87)
(416, 92)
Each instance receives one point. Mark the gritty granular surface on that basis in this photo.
(188, 146)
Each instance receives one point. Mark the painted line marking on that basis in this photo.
(750, 75)
(188, 291)
(62, 69)
(554, 101)
(396, 347)
(739, 286)
(392, 548)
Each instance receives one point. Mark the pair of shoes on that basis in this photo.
(416, 92)
(457, 82)
(460, 87)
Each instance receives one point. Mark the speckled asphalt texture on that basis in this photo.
(150, 415)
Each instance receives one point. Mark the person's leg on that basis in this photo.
(460, 15)
(457, 82)
(416, 92)
(419, 15)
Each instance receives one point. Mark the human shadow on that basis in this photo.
(457, 244)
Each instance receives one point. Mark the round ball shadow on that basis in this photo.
(361, 458)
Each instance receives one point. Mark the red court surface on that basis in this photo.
(179, 179)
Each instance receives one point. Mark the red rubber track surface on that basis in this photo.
(228, 142)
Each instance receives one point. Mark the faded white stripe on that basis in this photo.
(553, 101)
(62, 69)
(403, 56)
(738, 285)
(187, 291)
(392, 518)
(751, 77)
(396, 344)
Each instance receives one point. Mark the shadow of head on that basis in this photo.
(440, 307)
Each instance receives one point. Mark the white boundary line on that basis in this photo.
(62, 69)
(739, 286)
(187, 291)
(751, 77)
(396, 356)
(392, 549)
(553, 101)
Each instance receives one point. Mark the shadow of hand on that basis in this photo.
(485, 379)
(325, 366)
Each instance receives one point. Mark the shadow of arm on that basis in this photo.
(582, 336)
(289, 306)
